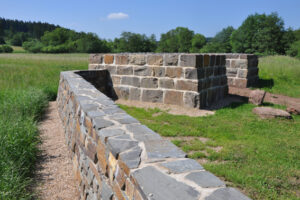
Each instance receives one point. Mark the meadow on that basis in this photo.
(280, 75)
(27, 83)
(261, 157)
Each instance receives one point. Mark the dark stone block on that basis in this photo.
(161, 187)
(106, 133)
(142, 132)
(205, 179)
(120, 144)
(134, 94)
(129, 80)
(100, 123)
(132, 157)
(227, 194)
(124, 119)
(149, 82)
(152, 96)
(160, 148)
(95, 59)
(181, 166)
(143, 71)
(171, 60)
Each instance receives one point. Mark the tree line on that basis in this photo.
(15, 32)
(259, 34)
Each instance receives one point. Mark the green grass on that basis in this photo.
(27, 82)
(280, 75)
(262, 157)
(37, 70)
(18, 49)
(19, 112)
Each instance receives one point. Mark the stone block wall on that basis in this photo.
(241, 70)
(117, 158)
(189, 80)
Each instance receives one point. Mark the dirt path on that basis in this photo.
(172, 109)
(180, 110)
(54, 177)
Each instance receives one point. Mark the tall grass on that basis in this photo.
(37, 70)
(280, 75)
(27, 82)
(19, 111)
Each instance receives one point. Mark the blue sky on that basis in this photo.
(109, 18)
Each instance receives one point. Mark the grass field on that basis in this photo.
(37, 70)
(280, 75)
(261, 157)
(27, 82)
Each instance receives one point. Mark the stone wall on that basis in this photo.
(116, 157)
(182, 79)
(241, 70)
(190, 80)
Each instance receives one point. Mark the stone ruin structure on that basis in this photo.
(190, 80)
(114, 155)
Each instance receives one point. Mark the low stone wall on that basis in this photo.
(182, 79)
(115, 157)
(190, 80)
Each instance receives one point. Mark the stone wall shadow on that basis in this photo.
(101, 80)
(230, 101)
(265, 83)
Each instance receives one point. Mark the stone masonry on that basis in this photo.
(189, 80)
(114, 156)
(241, 70)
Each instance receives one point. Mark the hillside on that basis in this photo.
(18, 31)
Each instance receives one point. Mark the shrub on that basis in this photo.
(294, 50)
(6, 49)
(33, 46)
(2, 41)
(55, 49)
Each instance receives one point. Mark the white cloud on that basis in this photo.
(119, 15)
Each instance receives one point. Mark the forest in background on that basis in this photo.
(260, 34)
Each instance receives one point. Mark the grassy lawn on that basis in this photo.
(280, 75)
(27, 82)
(262, 157)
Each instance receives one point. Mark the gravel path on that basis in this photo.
(55, 179)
